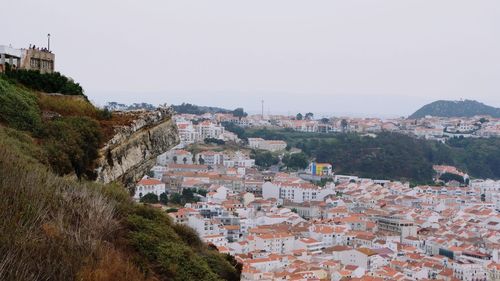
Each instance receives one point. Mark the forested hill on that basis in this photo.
(390, 155)
(187, 108)
(197, 109)
(465, 108)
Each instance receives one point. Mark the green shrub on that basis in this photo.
(72, 144)
(45, 82)
(447, 177)
(150, 198)
(69, 106)
(18, 108)
(296, 161)
(264, 158)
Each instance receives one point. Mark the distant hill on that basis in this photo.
(188, 108)
(184, 108)
(465, 108)
(115, 106)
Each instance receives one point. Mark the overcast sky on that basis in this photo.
(383, 57)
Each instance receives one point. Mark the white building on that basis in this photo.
(217, 240)
(179, 156)
(211, 158)
(469, 271)
(187, 132)
(278, 243)
(296, 192)
(361, 257)
(148, 185)
(207, 129)
(238, 160)
(311, 245)
(328, 235)
(218, 195)
(204, 226)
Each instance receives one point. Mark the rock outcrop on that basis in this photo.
(133, 149)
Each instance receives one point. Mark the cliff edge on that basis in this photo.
(132, 151)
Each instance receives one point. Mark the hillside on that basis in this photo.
(392, 156)
(465, 108)
(57, 224)
(197, 109)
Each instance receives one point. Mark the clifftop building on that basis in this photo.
(29, 59)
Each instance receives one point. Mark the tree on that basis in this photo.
(239, 112)
(325, 120)
(164, 198)
(447, 177)
(174, 159)
(193, 159)
(299, 116)
(188, 195)
(214, 140)
(264, 159)
(344, 125)
(296, 161)
(150, 198)
(176, 198)
(309, 116)
(184, 160)
(201, 192)
(233, 128)
(201, 161)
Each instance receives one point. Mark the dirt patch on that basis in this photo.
(118, 119)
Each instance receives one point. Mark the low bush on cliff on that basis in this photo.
(45, 82)
(72, 145)
(67, 105)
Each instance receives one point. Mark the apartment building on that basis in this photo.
(278, 243)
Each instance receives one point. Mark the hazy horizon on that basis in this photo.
(366, 58)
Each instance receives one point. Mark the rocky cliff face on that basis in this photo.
(134, 148)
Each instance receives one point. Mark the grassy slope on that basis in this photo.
(58, 228)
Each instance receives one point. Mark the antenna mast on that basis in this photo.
(48, 42)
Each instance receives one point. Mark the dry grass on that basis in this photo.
(67, 105)
(49, 224)
(112, 265)
(118, 119)
(56, 228)
(78, 106)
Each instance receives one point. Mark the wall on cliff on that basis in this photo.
(133, 149)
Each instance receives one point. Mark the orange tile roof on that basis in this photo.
(149, 182)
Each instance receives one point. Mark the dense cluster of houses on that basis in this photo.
(436, 128)
(282, 227)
